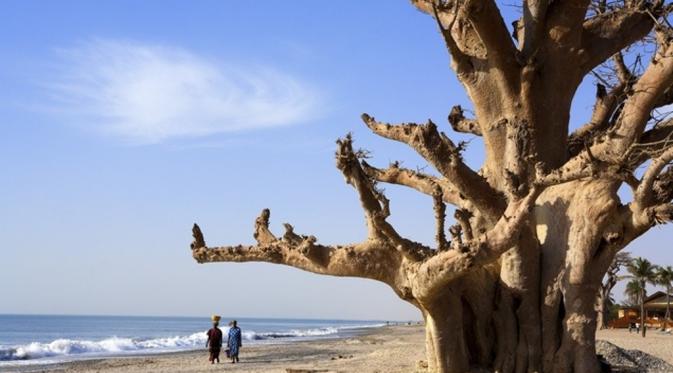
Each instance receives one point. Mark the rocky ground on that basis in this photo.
(621, 360)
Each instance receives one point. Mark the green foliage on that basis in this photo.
(664, 277)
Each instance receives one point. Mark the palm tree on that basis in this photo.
(633, 293)
(665, 279)
(642, 271)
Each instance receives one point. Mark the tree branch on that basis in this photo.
(486, 19)
(534, 19)
(371, 259)
(440, 216)
(637, 108)
(652, 143)
(645, 195)
(481, 29)
(609, 33)
(444, 156)
(374, 202)
(463, 219)
(461, 124)
(604, 108)
(419, 181)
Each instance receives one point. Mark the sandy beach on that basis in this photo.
(384, 350)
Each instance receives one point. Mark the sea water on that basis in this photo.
(38, 339)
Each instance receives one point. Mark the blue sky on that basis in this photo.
(124, 122)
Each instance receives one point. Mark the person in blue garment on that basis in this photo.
(234, 341)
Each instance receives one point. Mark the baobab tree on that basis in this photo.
(513, 288)
(605, 291)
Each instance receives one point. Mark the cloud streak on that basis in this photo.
(149, 94)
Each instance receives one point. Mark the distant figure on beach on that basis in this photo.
(234, 341)
(214, 342)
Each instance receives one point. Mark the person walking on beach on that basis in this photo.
(234, 341)
(214, 342)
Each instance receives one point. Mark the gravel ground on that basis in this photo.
(629, 352)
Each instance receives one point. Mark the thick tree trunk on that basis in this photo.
(540, 312)
(445, 352)
(482, 327)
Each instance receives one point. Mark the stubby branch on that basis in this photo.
(371, 259)
(424, 183)
(461, 124)
(445, 157)
(374, 203)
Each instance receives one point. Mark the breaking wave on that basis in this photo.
(117, 346)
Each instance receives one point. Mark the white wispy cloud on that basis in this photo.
(150, 93)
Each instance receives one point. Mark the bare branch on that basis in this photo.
(440, 216)
(198, 237)
(262, 233)
(461, 60)
(373, 201)
(623, 73)
(609, 33)
(481, 29)
(444, 156)
(662, 213)
(646, 92)
(371, 259)
(463, 219)
(604, 108)
(663, 186)
(461, 124)
(645, 195)
(486, 19)
(375, 211)
(583, 166)
(419, 181)
(652, 143)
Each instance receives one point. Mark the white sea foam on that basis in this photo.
(117, 346)
(252, 336)
(113, 345)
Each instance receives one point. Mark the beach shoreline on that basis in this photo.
(388, 349)
(375, 350)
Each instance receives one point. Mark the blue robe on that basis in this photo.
(234, 340)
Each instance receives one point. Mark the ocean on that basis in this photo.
(41, 339)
